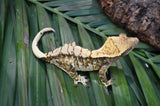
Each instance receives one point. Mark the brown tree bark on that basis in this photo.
(139, 17)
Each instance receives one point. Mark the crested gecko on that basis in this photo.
(72, 58)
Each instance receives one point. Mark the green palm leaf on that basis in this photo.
(26, 80)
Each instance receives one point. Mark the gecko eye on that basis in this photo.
(123, 36)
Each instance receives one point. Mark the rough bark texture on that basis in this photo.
(139, 17)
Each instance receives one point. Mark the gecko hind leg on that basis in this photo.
(103, 78)
(77, 78)
(82, 80)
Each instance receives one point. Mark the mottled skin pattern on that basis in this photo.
(71, 64)
(72, 58)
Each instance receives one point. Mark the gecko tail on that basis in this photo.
(35, 48)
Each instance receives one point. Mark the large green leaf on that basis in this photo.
(3, 10)
(146, 84)
(22, 52)
(121, 91)
(37, 77)
(8, 61)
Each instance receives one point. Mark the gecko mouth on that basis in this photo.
(127, 51)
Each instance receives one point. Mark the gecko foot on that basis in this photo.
(82, 80)
(109, 82)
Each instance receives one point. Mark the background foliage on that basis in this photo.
(26, 80)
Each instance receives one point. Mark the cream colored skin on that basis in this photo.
(72, 58)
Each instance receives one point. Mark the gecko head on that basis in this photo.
(124, 44)
(116, 46)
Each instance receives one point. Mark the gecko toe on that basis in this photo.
(85, 84)
(75, 83)
(109, 82)
(86, 79)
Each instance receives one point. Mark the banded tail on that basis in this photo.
(35, 48)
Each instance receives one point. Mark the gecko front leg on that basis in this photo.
(102, 75)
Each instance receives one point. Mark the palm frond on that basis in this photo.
(34, 82)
